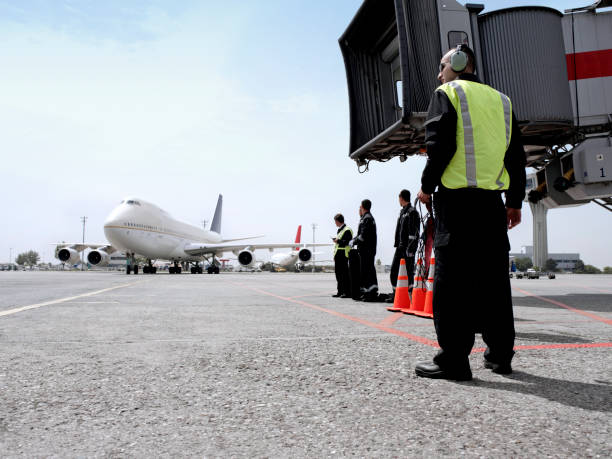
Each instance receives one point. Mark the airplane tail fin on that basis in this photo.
(216, 221)
(298, 236)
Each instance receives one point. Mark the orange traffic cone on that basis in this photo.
(419, 290)
(402, 298)
(428, 310)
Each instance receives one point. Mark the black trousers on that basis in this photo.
(471, 292)
(355, 273)
(369, 281)
(400, 253)
(342, 273)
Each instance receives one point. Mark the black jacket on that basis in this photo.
(407, 230)
(366, 233)
(346, 237)
(440, 137)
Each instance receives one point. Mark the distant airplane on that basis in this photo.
(137, 227)
(298, 256)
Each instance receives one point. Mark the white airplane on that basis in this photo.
(296, 257)
(139, 227)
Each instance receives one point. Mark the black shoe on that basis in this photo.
(432, 370)
(336, 295)
(499, 368)
(371, 299)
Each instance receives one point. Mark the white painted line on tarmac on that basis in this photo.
(64, 300)
(92, 302)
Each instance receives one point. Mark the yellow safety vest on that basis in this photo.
(484, 127)
(346, 249)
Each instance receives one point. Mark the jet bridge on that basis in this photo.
(555, 67)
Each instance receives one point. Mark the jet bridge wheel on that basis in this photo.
(128, 269)
(135, 269)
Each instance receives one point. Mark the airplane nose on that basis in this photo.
(115, 218)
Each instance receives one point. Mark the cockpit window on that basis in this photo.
(130, 202)
(122, 201)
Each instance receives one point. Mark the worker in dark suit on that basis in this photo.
(365, 241)
(406, 240)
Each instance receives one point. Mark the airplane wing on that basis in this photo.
(195, 249)
(78, 246)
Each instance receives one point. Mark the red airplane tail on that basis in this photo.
(298, 236)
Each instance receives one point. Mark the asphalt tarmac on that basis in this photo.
(97, 364)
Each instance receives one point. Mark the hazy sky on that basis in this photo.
(175, 102)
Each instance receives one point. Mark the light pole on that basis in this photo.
(204, 222)
(10, 256)
(84, 220)
(314, 227)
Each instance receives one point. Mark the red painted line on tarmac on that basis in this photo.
(420, 339)
(391, 319)
(563, 305)
(367, 323)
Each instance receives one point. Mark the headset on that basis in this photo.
(459, 59)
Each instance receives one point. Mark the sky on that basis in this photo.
(175, 102)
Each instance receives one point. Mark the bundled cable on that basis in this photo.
(426, 239)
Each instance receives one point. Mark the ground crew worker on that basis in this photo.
(366, 245)
(341, 256)
(406, 240)
(475, 155)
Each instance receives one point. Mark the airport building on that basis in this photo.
(565, 261)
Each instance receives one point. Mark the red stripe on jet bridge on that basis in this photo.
(591, 64)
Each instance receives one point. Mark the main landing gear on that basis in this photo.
(176, 269)
(149, 268)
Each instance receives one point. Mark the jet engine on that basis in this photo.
(246, 258)
(69, 256)
(304, 255)
(98, 258)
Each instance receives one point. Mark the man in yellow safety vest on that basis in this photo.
(341, 256)
(475, 155)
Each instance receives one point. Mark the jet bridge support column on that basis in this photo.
(540, 234)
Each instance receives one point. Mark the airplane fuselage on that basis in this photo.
(137, 226)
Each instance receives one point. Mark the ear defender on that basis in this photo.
(458, 60)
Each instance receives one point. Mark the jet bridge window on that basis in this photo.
(456, 37)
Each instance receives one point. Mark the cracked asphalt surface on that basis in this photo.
(269, 365)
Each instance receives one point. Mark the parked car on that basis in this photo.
(532, 274)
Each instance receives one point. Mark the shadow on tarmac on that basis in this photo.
(551, 338)
(592, 397)
(585, 302)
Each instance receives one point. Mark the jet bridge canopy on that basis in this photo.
(391, 51)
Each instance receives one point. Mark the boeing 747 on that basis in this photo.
(138, 227)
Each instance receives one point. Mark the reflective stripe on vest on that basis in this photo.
(484, 128)
(346, 249)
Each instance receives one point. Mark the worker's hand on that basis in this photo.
(513, 217)
(423, 197)
(352, 243)
(335, 240)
